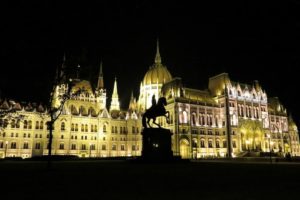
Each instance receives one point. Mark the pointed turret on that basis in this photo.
(157, 56)
(115, 104)
(100, 84)
(132, 103)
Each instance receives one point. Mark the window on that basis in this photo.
(239, 93)
(76, 127)
(82, 128)
(92, 128)
(210, 144)
(12, 135)
(104, 128)
(95, 128)
(122, 147)
(13, 123)
(217, 133)
(17, 135)
(61, 146)
(209, 132)
(217, 144)
(86, 129)
(29, 124)
(73, 146)
(72, 127)
(133, 129)
(36, 136)
(83, 147)
(137, 129)
(24, 135)
(103, 147)
(37, 125)
(224, 144)
(13, 145)
(41, 125)
(92, 147)
(1, 145)
(112, 129)
(116, 129)
(133, 147)
(233, 144)
(37, 146)
(114, 147)
(202, 144)
(41, 136)
(62, 137)
(25, 124)
(63, 126)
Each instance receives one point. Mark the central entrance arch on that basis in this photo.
(184, 148)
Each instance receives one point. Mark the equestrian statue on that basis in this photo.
(156, 110)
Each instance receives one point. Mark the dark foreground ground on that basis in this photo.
(124, 180)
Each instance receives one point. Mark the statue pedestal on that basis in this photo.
(157, 144)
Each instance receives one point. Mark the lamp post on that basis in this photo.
(6, 143)
(269, 137)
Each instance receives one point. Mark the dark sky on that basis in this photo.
(251, 40)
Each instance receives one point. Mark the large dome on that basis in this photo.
(157, 74)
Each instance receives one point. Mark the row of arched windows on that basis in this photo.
(247, 111)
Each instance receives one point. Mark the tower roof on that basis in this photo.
(157, 73)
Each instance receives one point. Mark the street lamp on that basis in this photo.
(269, 137)
(247, 143)
(6, 143)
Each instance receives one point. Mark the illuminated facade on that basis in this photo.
(198, 120)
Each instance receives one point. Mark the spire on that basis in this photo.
(157, 56)
(115, 104)
(78, 71)
(100, 78)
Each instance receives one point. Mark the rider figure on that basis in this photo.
(153, 100)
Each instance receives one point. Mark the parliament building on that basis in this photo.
(227, 118)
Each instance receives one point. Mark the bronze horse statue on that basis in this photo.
(156, 111)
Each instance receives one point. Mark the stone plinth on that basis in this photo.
(157, 144)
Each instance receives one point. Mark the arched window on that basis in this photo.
(63, 126)
(116, 129)
(13, 123)
(112, 129)
(86, 128)
(41, 125)
(184, 115)
(217, 144)
(92, 128)
(25, 124)
(194, 119)
(95, 128)
(202, 144)
(76, 127)
(37, 125)
(29, 124)
(82, 128)
(104, 128)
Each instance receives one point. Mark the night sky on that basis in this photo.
(251, 40)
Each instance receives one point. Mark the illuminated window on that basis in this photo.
(13, 145)
(62, 126)
(29, 124)
(233, 144)
(37, 125)
(224, 143)
(25, 145)
(122, 147)
(202, 144)
(13, 123)
(37, 146)
(25, 124)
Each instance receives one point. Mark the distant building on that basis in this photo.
(202, 121)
